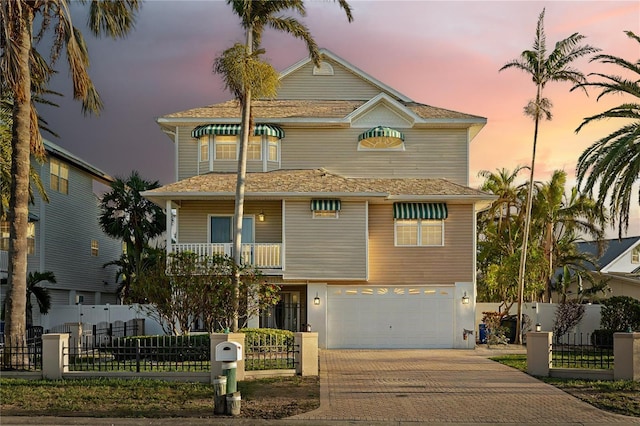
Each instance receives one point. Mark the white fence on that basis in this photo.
(544, 314)
(94, 314)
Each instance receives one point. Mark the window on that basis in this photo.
(419, 232)
(635, 255)
(204, 149)
(94, 248)
(31, 237)
(273, 148)
(325, 214)
(226, 147)
(254, 149)
(59, 177)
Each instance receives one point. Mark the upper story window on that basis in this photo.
(226, 147)
(59, 176)
(31, 237)
(635, 255)
(273, 148)
(419, 224)
(95, 247)
(381, 138)
(325, 209)
(254, 150)
(204, 149)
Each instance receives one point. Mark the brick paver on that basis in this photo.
(441, 386)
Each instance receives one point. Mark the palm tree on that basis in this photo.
(254, 16)
(42, 294)
(128, 216)
(614, 161)
(556, 215)
(17, 18)
(543, 67)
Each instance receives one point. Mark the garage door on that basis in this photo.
(390, 317)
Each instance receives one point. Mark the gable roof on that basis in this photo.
(614, 248)
(326, 53)
(338, 113)
(312, 183)
(61, 153)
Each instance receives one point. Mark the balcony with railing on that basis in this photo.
(261, 255)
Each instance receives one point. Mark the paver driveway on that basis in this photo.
(441, 386)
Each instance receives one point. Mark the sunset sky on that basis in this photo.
(445, 54)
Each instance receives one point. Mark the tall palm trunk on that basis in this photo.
(527, 222)
(240, 187)
(15, 327)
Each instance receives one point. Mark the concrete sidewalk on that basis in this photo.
(402, 387)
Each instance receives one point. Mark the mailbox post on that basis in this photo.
(229, 353)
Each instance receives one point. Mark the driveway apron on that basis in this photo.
(441, 386)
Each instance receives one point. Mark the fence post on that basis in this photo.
(307, 354)
(216, 366)
(54, 360)
(626, 356)
(539, 355)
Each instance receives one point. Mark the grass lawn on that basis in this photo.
(266, 399)
(616, 396)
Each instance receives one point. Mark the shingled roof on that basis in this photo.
(311, 182)
(282, 109)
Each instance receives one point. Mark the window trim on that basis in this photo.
(204, 146)
(635, 253)
(259, 142)
(419, 226)
(31, 236)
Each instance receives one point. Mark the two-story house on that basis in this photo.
(357, 204)
(64, 234)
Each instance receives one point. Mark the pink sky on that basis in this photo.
(445, 54)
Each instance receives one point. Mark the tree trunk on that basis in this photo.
(240, 186)
(15, 327)
(527, 224)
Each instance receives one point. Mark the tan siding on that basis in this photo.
(193, 217)
(325, 248)
(421, 265)
(187, 153)
(302, 84)
(437, 153)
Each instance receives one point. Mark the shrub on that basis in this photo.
(264, 337)
(496, 333)
(620, 313)
(602, 338)
(568, 315)
(169, 348)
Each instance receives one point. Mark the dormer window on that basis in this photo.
(381, 138)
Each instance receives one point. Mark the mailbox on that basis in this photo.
(228, 351)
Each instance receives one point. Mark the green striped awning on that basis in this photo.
(234, 129)
(420, 211)
(325, 205)
(381, 131)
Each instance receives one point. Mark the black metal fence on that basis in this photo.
(580, 350)
(269, 352)
(24, 355)
(137, 354)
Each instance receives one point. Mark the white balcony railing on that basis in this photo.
(4, 261)
(260, 255)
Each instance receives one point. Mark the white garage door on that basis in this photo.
(390, 317)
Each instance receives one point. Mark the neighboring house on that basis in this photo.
(357, 204)
(619, 265)
(64, 234)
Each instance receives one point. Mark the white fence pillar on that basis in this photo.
(216, 366)
(54, 360)
(307, 354)
(539, 359)
(626, 355)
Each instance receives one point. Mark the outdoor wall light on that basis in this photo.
(538, 327)
(465, 299)
(261, 216)
(316, 300)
